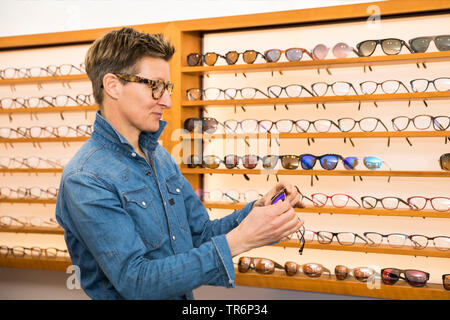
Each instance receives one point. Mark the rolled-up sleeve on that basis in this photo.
(94, 213)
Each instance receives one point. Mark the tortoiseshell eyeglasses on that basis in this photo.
(158, 86)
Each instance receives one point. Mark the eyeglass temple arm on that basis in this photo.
(358, 236)
(312, 94)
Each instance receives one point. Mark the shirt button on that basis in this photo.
(143, 203)
(133, 154)
(173, 238)
(178, 190)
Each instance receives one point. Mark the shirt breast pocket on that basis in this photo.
(176, 200)
(139, 206)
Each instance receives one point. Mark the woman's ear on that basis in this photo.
(112, 86)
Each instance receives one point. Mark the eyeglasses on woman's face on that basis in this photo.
(158, 87)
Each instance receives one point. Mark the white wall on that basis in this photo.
(18, 17)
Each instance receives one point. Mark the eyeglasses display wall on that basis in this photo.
(307, 124)
(46, 112)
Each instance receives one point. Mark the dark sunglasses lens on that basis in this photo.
(366, 48)
(290, 268)
(373, 163)
(313, 270)
(390, 276)
(210, 125)
(232, 57)
(294, 54)
(269, 162)
(308, 161)
(194, 161)
(212, 162)
(244, 264)
(289, 162)
(420, 44)
(193, 59)
(445, 161)
(264, 266)
(446, 281)
(363, 274)
(231, 161)
(210, 58)
(329, 162)
(416, 278)
(273, 55)
(350, 163)
(250, 161)
(189, 124)
(391, 46)
(250, 56)
(341, 272)
(442, 43)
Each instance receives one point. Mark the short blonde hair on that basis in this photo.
(118, 52)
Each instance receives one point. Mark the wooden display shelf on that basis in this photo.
(318, 100)
(360, 247)
(56, 264)
(354, 211)
(39, 230)
(50, 109)
(34, 140)
(319, 64)
(324, 135)
(36, 170)
(30, 201)
(31, 80)
(401, 290)
(417, 174)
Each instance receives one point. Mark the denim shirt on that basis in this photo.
(137, 230)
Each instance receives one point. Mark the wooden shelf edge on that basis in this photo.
(30, 201)
(349, 173)
(37, 140)
(57, 264)
(31, 80)
(50, 109)
(278, 280)
(37, 170)
(38, 230)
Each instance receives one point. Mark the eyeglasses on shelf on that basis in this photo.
(46, 132)
(28, 193)
(22, 222)
(51, 70)
(31, 163)
(34, 252)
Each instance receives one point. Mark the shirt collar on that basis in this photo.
(147, 140)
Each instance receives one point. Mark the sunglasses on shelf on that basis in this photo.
(260, 265)
(208, 125)
(444, 161)
(340, 50)
(421, 44)
(312, 270)
(291, 54)
(231, 57)
(446, 281)
(389, 46)
(414, 278)
(362, 274)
